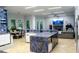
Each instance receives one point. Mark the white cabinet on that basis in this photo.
(28, 36)
(4, 39)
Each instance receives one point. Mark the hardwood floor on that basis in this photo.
(64, 46)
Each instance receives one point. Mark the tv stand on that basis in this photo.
(67, 35)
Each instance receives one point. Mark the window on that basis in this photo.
(20, 24)
(13, 23)
(37, 25)
(27, 24)
(41, 25)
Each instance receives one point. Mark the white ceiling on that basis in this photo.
(22, 10)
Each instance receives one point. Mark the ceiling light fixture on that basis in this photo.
(46, 13)
(59, 12)
(54, 8)
(38, 10)
(30, 7)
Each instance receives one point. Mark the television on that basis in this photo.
(58, 22)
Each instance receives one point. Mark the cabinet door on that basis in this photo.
(4, 39)
(27, 37)
(50, 45)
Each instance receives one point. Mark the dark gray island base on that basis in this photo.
(43, 42)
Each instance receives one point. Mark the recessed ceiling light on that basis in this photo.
(30, 7)
(46, 13)
(54, 8)
(59, 12)
(38, 10)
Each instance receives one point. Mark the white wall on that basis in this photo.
(33, 21)
(67, 19)
(23, 18)
(16, 17)
(46, 20)
(40, 18)
(76, 27)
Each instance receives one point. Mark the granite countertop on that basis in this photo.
(3, 33)
(44, 34)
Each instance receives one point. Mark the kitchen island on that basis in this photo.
(43, 42)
